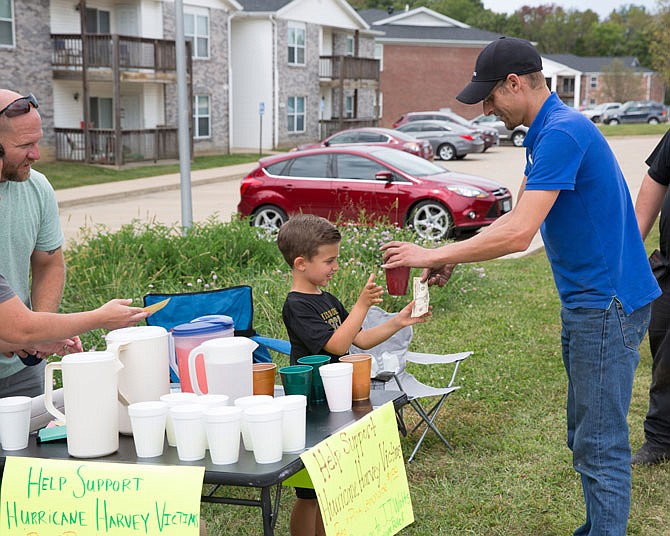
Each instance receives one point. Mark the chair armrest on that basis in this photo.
(434, 359)
(278, 345)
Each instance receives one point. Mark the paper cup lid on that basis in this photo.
(172, 399)
(336, 369)
(147, 409)
(291, 401)
(222, 414)
(262, 413)
(186, 411)
(253, 400)
(12, 403)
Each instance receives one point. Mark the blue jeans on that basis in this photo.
(600, 354)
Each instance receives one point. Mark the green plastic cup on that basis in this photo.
(318, 395)
(297, 380)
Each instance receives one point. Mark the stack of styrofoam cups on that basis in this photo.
(337, 382)
(243, 403)
(264, 422)
(175, 399)
(222, 424)
(211, 401)
(15, 422)
(294, 417)
(189, 431)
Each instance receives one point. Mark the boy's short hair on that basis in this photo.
(303, 234)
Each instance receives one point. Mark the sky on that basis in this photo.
(601, 7)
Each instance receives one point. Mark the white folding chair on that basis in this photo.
(389, 362)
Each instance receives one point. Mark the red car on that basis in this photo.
(385, 137)
(377, 183)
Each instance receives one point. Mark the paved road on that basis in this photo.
(216, 192)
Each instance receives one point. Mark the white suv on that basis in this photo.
(516, 135)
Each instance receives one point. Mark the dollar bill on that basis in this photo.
(421, 298)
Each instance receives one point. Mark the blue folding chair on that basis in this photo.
(235, 302)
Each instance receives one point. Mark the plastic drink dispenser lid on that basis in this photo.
(195, 328)
(224, 321)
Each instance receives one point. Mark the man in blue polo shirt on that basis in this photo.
(576, 195)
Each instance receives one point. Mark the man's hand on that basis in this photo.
(406, 254)
(438, 276)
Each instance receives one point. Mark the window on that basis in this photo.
(102, 112)
(349, 46)
(6, 23)
(309, 166)
(196, 31)
(355, 167)
(201, 116)
(594, 82)
(296, 114)
(349, 106)
(97, 21)
(296, 44)
(568, 85)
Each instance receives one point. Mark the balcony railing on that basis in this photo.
(348, 68)
(133, 52)
(138, 145)
(331, 126)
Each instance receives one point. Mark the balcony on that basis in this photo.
(137, 145)
(349, 72)
(133, 53)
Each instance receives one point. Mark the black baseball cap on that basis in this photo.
(499, 58)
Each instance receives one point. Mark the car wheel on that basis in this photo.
(518, 137)
(653, 121)
(613, 122)
(431, 220)
(269, 218)
(446, 151)
(461, 156)
(595, 118)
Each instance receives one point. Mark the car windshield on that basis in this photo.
(407, 163)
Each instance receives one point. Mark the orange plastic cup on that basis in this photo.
(397, 280)
(264, 378)
(360, 384)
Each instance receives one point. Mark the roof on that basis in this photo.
(441, 28)
(596, 64)
(263, 5)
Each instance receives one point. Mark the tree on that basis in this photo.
(660, 42)
(619, 83)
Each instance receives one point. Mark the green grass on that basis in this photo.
(72, 174)
(510, 473)
(635, 129)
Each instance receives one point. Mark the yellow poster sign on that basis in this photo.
(41, 497)
(359, 477)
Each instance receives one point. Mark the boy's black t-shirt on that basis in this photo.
(659, 170)
(311, 320)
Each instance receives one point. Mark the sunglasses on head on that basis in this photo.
(20, 106)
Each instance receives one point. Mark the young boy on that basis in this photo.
(317, 323)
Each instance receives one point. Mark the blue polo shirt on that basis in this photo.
(591, 234)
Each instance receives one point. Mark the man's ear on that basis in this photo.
(514, 81)
(300, 264)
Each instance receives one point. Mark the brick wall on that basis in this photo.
(26, 68)
(417, 78)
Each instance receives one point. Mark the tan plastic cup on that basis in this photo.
(360, 384)
(264, 378)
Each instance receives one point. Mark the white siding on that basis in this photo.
(67, 111)
(251, 65)
(153, 105)
(64, 18)
(323, 12)
(151, 20)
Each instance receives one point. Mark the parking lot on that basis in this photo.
(504, 163)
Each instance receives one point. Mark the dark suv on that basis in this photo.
(637, 112)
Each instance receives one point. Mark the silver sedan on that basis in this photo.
(449, 140)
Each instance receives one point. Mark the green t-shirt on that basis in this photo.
(28, 221)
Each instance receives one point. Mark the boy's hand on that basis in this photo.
(404, 317)
(371, 294)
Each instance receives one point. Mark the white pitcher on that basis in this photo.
(228, 366)
(90, 388)
(145, 356)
